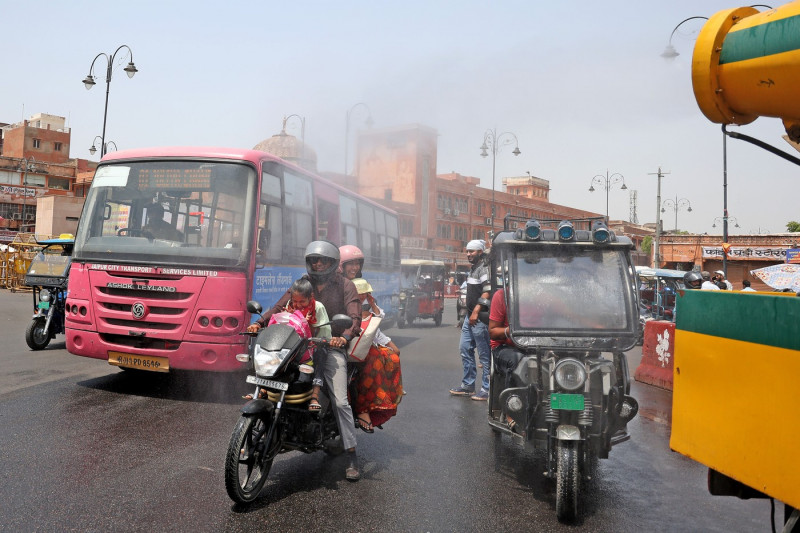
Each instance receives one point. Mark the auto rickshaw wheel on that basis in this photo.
(401, 321)
(36, 336)
(567, 480)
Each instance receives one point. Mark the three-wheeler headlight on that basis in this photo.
(570, 374)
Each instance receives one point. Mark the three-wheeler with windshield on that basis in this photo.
(559, 378)
(48, 275)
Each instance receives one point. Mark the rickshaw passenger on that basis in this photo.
(506, 358)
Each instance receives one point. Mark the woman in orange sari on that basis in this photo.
(380, 382)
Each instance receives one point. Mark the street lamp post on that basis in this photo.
(494, 141)
(103, 146)
(676, 205)
(369, 122)
(669, 52)
(656, 254)
(89, 82)
(606, 182)
(302, 135)
(26, 166)
(724, 221)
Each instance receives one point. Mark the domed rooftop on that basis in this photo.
(289, 148)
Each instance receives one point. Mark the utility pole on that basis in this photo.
(656, 251)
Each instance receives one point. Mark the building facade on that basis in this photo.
(35, 163)
(742, 253)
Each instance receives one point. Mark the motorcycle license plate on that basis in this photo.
(566, 402)
(140, 362)
(278, 385)
(44, 305)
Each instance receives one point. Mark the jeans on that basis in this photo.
(472, 338)
(335, 371)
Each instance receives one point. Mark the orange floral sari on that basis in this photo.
(380, 385)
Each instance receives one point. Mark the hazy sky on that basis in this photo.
(580, 83)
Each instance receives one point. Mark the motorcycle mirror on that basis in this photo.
(254, 307)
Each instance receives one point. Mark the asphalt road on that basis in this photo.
(86, 447)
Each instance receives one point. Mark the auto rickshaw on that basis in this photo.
(48, 275)
(658, 287)
(559, 380)
(421, 291)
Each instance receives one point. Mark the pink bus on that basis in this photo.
(173, 241)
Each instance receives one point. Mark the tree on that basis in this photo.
(793, 227)
(647, 244)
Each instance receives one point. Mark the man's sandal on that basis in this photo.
(313, 404)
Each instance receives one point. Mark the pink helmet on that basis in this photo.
(348, 253)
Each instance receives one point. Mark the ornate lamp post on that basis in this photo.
(606, 182)
(369, 122)
(302, 134)
(103, 146)
(669, 52)
(676, 205)
(494, 142)
(89, 82)
(26, 166)
(724, 221)
(656, 254)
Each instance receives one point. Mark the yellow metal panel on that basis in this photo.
(736, 409)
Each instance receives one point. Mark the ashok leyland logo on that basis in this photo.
(138, 310)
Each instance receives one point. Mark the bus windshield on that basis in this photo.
(173, 212)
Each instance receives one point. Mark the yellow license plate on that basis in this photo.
(140, 362)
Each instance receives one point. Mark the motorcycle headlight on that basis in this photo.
(44, 295)
(570, 374)
(267, 362)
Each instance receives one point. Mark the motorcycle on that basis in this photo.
(48, 276)
(561, 384)
(277, 418)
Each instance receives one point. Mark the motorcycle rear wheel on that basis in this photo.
(567, 480)
(36, 336)
(249, 459)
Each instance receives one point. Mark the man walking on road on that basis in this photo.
(474, 333)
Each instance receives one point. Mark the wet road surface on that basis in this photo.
(87, 447)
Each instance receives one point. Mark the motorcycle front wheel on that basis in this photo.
(567, 480)
(249, 459)
(36, 336)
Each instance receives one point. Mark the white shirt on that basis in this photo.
(708, 286)
(749, 289)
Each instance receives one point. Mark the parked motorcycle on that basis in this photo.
(48, 276)
(277, 418)
(561, 385)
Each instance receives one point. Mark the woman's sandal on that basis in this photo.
(313, 404)
(364, 425)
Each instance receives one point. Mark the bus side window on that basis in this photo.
(270, 239)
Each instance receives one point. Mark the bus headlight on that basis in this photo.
(267, 362)
(570, 374)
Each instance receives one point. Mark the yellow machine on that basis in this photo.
(737, 355)
(746, 64)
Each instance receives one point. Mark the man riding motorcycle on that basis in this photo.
(339, 296)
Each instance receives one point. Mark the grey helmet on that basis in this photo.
(693, 280)
(322, 249)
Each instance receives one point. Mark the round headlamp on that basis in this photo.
(570, 374)
(44, 295)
